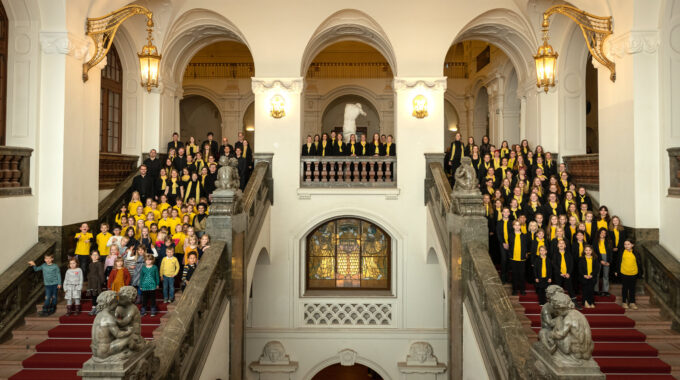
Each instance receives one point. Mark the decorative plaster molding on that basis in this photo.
(634, 42)
(421, 359)
(65, 43)
(347, 357)
(433, 84)
(289, 85)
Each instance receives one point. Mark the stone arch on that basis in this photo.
(198, 90)
(451, 112)
(192, 31)
(263, 258)
(198, 106)
(510, 32)
(348, 25)
(356, 359)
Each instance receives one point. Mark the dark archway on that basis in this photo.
(198, 116)
(333, 116)
(340, 372)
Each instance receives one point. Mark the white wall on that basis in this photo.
(216, 364)
(473, 362)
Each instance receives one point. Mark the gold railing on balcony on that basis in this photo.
(329, 172)
(220, 70)
(456, 70)
(365, 70)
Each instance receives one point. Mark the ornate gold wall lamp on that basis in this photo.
(595, 30)
(102, 30)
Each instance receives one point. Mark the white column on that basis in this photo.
(69, 134)
(469, 112)
(523, 118)
(629, 130)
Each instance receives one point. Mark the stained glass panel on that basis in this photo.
(348, 253)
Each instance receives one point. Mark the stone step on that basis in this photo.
(14, 358)
(660, 335)
(8, 370)
(14, 344)
(30, 331)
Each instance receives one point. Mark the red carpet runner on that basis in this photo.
(620, 349)
(68, 346)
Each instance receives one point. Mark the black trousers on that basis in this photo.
(504, 263)
(628, 293)
(588, 286)
(149, 299)
(84, 263)
(565, 283)
(541, 285)
(518, 275)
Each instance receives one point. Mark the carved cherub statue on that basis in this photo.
(128, 316)
(571, 333)
(548, 314)
(466, 178)
(108, 339)
(227, 175)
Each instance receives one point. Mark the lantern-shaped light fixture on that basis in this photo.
(420, 106)
(546, 65)
(278, 104)
(149, 62)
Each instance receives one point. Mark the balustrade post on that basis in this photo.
(332, 172)
(340, 171)
(348, 171)
(371, 172)
(324, 171)
(363, 171)
(5, 173)
(380, 171)
(388, 172)
(308, 171)
(316, 171)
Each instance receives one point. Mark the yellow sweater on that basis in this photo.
(169, 267)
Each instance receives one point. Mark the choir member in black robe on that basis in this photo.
(175, 143)
(308, 147)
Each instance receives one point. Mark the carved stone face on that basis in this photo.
(420, 351)
(274, 351)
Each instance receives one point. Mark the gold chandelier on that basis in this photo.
(102, 30)
(596, 30)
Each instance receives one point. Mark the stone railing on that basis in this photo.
(114, 168)
(662, 279)
(319, 70)
(674, 164)
(370, 171)
(15, 171)
(473, 280)
(186, 336)
(219, 70)
(218, 283)
(584, 170)
(21, 288)
(456, 70)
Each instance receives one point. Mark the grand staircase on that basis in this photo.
(629, 344)
(56, 347)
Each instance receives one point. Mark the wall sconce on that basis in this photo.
(596, 30)
(250, 128)
(102, 30)
(453, 127)
(420, 107)
(277, 106)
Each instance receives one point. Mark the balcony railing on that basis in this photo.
(319, 70)
(457, 70)
(219, 70)
(331, 172)
(15, 173)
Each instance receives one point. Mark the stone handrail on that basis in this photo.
(181, 347)
(461, 225)
(662, 278)
(256, 201)
(339, 171)
(584, 170)
(15, 171)
(20, 288)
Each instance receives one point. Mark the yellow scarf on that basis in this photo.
(589, 265)
(198, 191)
(552, 232)
(563, 264)
(352, 146)
(505, 230)
(340, 146)
(363, 145)
(387, 149)
(517, 249)
(544, 271)
(163, 182)
(377, 147)
(540, 244)
(603, 249)
(186, 178)
(616, 237)
(174, 187)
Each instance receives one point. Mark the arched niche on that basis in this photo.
(333, 116)
(198, 116)
(347, 357)
(340, 372)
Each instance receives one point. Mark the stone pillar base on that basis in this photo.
(136, 366)
(274, 371)
(547, 367)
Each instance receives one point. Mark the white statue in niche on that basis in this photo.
(352, 111)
